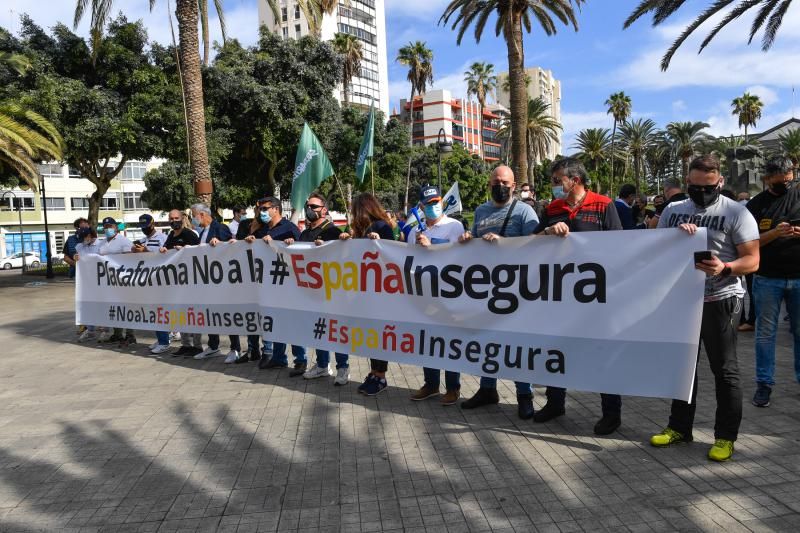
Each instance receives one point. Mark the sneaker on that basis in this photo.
(153, 345)
(111, 338)
(424, 393)
(318, 372)
(482, 397)
(363, 387)
(607, 425)
(548, 412)
(450, 397)
(667, 437)
(105, 336)
(174, 336)
(129, 340)
(342, 376)
(191, 351)
(255, 355)
(525, 406)
(87, 336)
(208, 352)
(232, 356)
(80, 330)
(242, 359)
(761, 397)
(376, 386)
(746, 327)
(269, 364)
(159, 349)
(722, 450)
(298, 370)
(181, 351)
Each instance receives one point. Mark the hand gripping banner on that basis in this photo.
(615, 312)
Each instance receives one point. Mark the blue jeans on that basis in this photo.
(279, 353)
(324, 358)
(491, 383)
(162, 337)
(266, 346)
(768, 294)
(452, 380)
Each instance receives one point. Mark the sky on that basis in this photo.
(592, 63)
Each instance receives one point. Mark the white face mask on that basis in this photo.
(525, 195)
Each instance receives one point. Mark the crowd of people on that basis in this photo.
(756, 238)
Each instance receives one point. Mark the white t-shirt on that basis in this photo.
(154, 242)
(88, 249)
(446, 230)
(233, 225)
(118, 245)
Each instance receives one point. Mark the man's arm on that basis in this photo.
(749, 257)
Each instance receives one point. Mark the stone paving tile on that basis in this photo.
(98, 439)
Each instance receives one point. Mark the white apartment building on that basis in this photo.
(542, 84)
(366, 20)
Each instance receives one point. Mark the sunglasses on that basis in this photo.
(265, 208)
(706, 188)
(314, 206)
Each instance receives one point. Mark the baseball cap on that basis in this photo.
(82, 233)
(145, 219)
(429, 193)
(109, 221)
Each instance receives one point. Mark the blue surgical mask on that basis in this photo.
(558, 192)
(433, 211)
(110, 232)
(195, 222)
(264, 217)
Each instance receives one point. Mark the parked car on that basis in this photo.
(15, 261)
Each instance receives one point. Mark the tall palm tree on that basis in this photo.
(512, 19)
(204, 27)
(658, 157)
(636, 137)
(748, 108)
(349, 47)
(541, 133)
(480, 80)
(790, 144)
(687, 139)
(594, 147)
(619, 106)
(25, 136)
(770, 12)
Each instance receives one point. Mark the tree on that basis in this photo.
(790, 145)
(480, 80)
(658, 158)
(349, 47)
(687, 138)
(619, 106)
(594, 145)
(512, 17)
(542, 133)
(748, 108)
(636, 137)
(771, 12)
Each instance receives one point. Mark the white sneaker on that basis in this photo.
(174, 336)
(87, 336)
(152, 346)
(208, 352)
(104, 336)
(232, 356)
(342, 376)
(159, 348)
(317, 372)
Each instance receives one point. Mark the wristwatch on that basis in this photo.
(726, 271)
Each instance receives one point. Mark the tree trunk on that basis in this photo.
(94, 203)
(206, 36)
(613, 157)
(345, 86)
(745, 134)
(480, 133)
(518, 96)
(187, 13)
(411, 141)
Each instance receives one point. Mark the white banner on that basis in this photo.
(616, 312)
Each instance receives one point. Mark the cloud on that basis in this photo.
(575, 122)
(453, 82)
(678, 106)
(768, 96)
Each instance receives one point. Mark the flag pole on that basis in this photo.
(344, 198)
(372, 174)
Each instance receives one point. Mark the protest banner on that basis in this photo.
(615, 312)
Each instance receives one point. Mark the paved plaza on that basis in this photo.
(97, 439)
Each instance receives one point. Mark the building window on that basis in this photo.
(79, 204)
(284, 16)
(132, 201)
(133, 171)
(54, 204)
(9, 202)
(358, 32)
(109, 203)
(74, 173)
(50, 170)
(296, 12)
(285, 32)
(297, 31)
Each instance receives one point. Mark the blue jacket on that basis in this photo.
(217, 230)
(625, 213)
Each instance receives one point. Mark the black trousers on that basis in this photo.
(378, 366)
(718, 336)
(213, 342)
(749, 313)
(611, 403)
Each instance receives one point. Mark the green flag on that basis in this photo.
(311, 167)
(364, 161)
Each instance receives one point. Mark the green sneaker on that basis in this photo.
(667, 437)
(722, 450)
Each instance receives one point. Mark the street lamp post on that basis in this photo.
(49, 272)
(443, 146)
(21, 236)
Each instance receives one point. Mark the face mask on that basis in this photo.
(264, 217)
(702, 197)
(146, 228)
(110, 232)
(525, 195)
(311, 215)
(433, 211)
(558, 192)
(195, 222)
(176, 224)
(500, 193)
(779, 188)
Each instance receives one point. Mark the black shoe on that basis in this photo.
(256, 355)
(268, 364)
(298, 370)
(761, 397)
(181, 351)
(525, 406)
(548, 412)
(241, 359)
(482, 397)
(191, 351)
(607, 425)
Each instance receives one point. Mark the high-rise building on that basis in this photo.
(542, 84)
(364, 19)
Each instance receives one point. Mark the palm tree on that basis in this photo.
(512, 18)
(658, 157)
(790, 144)
(619, 106)
(687, 139)
(480, 80)
(748, 108)
(593, 145)
(542, 133)
(636, 138)
(771, 12)
(506, 84)
(349, 47)
(25, 136)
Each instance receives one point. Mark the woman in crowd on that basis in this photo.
(87, 245)
(370, 221)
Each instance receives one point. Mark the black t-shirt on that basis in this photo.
(327, 231)
(781, 257)
(596, 213)
(380, 227)
(186, 237)
(677, 197)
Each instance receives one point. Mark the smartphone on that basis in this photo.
(699, 257)
(649, 212)
(795, 222)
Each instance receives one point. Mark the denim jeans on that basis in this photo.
(279, 353)
(433, 377)
(162, 337)
(768, 294)
(266, 346)
(491, 383)
(324, 358)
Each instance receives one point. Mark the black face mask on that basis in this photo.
(311, 215)
(176, 224)
(703, 195)
(500, 193)
(779, 188)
